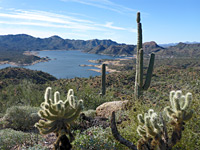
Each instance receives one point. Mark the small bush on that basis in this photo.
(90, 113)
(95, 138)
(10, 138)
(35, 147)
(21, 117)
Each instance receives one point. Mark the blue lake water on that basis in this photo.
(65, 64)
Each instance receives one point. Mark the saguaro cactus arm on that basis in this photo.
(103, 79)
(149, 72)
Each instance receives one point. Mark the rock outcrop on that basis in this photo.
(106, 109)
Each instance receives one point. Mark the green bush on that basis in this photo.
(95, 138)
(90, 113)
(10, 138)
(35, 147)
(21, 117)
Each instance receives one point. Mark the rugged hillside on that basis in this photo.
(13, 75)
(115, 50)
(181, 50)
(127, 50)
(151, 47)
(23, 42)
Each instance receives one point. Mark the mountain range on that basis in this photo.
(23, 42)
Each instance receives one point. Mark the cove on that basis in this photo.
(66, 64)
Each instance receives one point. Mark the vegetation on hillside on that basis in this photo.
(22, 87)
(18, 58)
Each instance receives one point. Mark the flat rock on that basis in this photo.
(106, 109)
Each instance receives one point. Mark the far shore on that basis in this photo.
(28, 53)
(115, 62)
(17, 64)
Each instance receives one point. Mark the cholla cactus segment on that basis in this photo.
(179, 110)
(57, 113)
(151, 124)
(141, 131)
(140, 118)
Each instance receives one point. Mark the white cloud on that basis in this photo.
(45, 24)
(133, 30)
(110, 25)
(105, 4)
(46, 19)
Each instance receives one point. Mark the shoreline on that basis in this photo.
(114, 62)
(27, 53)
(18, 65)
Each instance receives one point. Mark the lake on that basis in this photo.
(65, 64)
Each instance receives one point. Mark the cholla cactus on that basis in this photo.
(152, 127)
(179, 110)
(57, 114)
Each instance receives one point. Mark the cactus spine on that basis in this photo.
(57, 115)
(103, 79)
(139, 87)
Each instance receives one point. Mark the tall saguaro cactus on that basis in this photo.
(139, 86)
(103, 79)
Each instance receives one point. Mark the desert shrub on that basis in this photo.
(35, 147)
(90, 113)
(10, 138)
(23, 93)
(92, 99)
(21, 117)
(95, 138)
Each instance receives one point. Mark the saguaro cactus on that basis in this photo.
(57, 115)
(139, 86)
(153, 128)
(103, 79)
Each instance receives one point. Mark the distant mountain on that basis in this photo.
(23, 42)
(181, 50)
(116, 50)
(174, 44)
(168, 45)
(127, 50)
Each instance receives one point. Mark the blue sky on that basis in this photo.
(163, 21)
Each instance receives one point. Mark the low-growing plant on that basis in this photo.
(35, 147)
(90, 113)
(20, 117)
(94, 138)
(10, 138)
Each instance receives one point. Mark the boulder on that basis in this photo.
(106, 109)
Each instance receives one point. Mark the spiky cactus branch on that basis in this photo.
(57, 115)
(153, 128)
(103, 79)
(139, 87)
